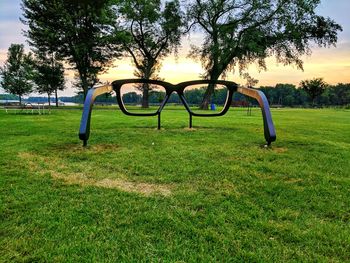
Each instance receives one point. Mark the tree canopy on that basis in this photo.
(48, 75)
(152, 31)
(79, 31)
(88, 35)
(314, 87)
(241, 32)
(17, 73)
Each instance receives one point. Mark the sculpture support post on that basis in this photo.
(269, 128)
(84, 131)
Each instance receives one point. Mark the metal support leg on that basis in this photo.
(269, 128)
(84, 131)
(190, 121)
(159, 121)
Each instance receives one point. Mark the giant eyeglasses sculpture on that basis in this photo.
(164, 91)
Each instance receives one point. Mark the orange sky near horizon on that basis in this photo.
(332, 64)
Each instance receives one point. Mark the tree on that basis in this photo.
(250, 81)
(17, 72)
(314, 87)
(241, 32)
(341, 94)
(284, 93)
(77, 30)
(131, 97)
(49, 75)
(152, 32)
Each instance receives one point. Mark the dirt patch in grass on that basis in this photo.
(58, 170)
(294, 180)
(190, 129)
(279, 149)
(96, 148)
(29, 159)
(144, 188)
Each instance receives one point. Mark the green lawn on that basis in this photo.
(211, 194)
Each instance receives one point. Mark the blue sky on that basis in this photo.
(333, 64)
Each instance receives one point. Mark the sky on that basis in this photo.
(332, 64)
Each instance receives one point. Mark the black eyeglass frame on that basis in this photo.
(84, 131)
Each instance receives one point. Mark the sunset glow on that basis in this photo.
(332, 64)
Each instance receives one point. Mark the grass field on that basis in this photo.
(211, 194)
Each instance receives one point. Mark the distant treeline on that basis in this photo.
(290, 95)
(106, 98)
(286, 95)
(193, 97)
(8, 97)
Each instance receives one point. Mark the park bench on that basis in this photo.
(27, 108)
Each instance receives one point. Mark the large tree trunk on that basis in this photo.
(146, 88)
(20, 100)
(314, 102)
(85, 89)
(49, 99)
(214, 76)
(145, 95)
(84, 83)
(207, 97)
(56, 98)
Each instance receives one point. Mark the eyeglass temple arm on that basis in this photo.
(84, 131)
(269, 128)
